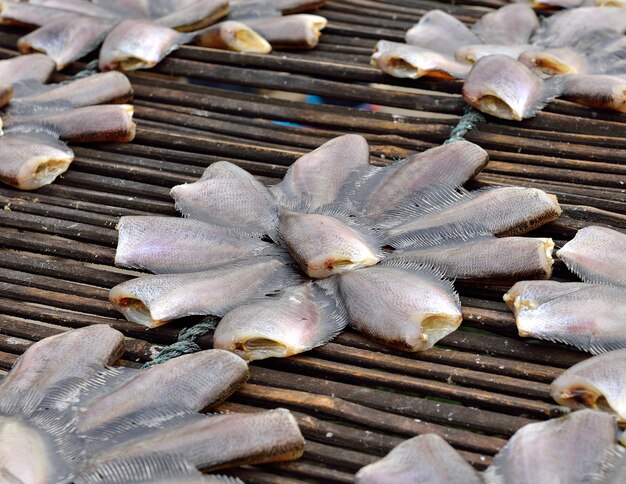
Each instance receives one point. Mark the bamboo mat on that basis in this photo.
(353, 398)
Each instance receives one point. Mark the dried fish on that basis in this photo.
(597, 255)
(230, 196)
(318, 178)
(154, 300)
(401, 304)
(555, 61)
(83, 7)
(298, 319)
(66, 39)
(579, 448)
(30, 160)
(174, 245)
(510, 25)
(289, 32)
(404, 60)
(231, 35)
(286, 7)
(598, 91)
(425, 458)
(505, 88)
(323, 245)
(190, 15)
(588, 316)
(472, 53)
(33, 67)
(599, 383)
(121, 50)
(486, 257)
(28, 15)
(441, 32)
(499, 211)
(390, 188)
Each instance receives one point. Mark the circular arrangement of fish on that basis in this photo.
(513, 64)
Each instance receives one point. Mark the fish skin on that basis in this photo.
(120, 50)
(228, 195)
(232, 35)
(597, 383)
(426, 458)
(89, 124)
(67, 39)
(181, 381)
(318, 178)
(388, 188)
(576, 449)
(401, 306)
(31, 160)
(505, 88)
(441, 32)
(512, 24)
(597, 255)
(595, 90)
(157, 299)
(554, 61)
(220, 441)
(128, 8)
(193, 15)
(411, 61)
(286, 7)
(26, 15)
(588, 316)
(300, 31)
(299, 319)
(323, 245)
(472, 53)
(174, 245)
(82, 7)
(500, 211)
(487, 258)
(35, 67)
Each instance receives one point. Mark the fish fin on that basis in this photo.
(458, 234)
(253, 10)
(583, 274)
(38, 128)
(20, 402)
(328, 297)
(433, 235)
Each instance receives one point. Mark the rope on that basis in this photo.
(90, 69)
(185, 343)
(468, 121)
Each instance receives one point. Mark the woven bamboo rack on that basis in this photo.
(353, 398)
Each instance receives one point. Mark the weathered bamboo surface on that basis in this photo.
(354, 399)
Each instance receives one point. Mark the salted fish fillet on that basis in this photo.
(317, 179)
(588, 316)
(155, 300)
(232, 35)
(595, 90)
(486, 258)
(401, 304)
(27, 15)
(31, 160)
(193, 15)
(499, 211)
(31, 67)
(441, 32)
(298, 319)
(597, 255)
(228, 195)
(425, 458)
(83, 7)
(411, 61)
(171, 244)
(67, 39)
(555, 61)
(300, 31)
(579, 448)
(286, 7)
(512, 24)
(599, 383)
(390, 188)
(472, 53)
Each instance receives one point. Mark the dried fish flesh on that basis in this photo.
(471, 53)
(298, 319)
(404, 60)
(192, 14)
(579, 448)
(323, 245)
(290, 32)
(505, 88)
(425, 458)
(499, 211)
(230, 196)
(486, 257)
(441, 32)
(390, 188)
(400, 303)
(28, 15)
(31, 160)
(155, 300)
(83, 7)
(33, 67)
(286, 7)
(510, 25)
(588, 316)
(597, 255)
(174, 245)
(231, 35)
(555, 61)
(599, 383)
(598, 91)
(66, 39)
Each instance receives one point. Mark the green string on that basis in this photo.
(186, 342)
(90, 69)
(468, 121)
